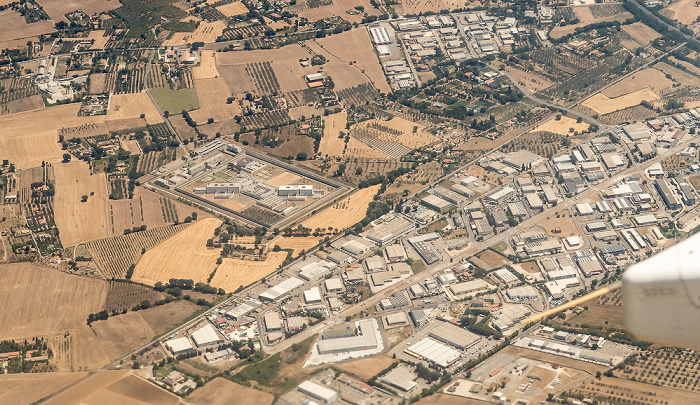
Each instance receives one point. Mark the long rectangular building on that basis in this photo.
(454, 336)
(434, 352)
(380, 35)
(281, 289)
(366, 339)
(667, 195)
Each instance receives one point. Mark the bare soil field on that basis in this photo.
(290, 74)
(14, 26)
(294, 243)
(97, 83)
(206, 32)
(131, 105)
(56, 9)
(598, 315)
(366, 368)
(115, 387)
(562, 126)
(221, 391)
(283, 178)
(684, 11)
(641, 32)
(648, 78)
(212, 95)
(339, 8)
(99, 37)
(42, 301)
(603, 104)
(24, 389)
(78, 221)
(344, 213)
(207, 65)
(184, 255)
(493, 259)
(564, 222)
(356, 46)
(233, 9)
(233, 273)
(587, 367)
(486, 175)
(332, 144)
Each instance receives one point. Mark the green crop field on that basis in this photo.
(176, 101)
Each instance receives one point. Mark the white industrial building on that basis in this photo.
(297, 189)
(312, 296)
(206, 336)
(505, 276)
(314, 271)
(179, 346)
(402, 378)
(454, 336)
(281, 289)
(317, 391)
(364, 340)
(221, 188)
(272, 321)
(434, 352)
(334, 285)
(380, 35)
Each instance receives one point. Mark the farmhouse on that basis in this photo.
(314, 77)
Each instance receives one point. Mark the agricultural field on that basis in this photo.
(42, 301)
(57, 9)
(337, 8)
(207, 66)
(122, 295)
(344, 213)
(354, 46)
(650, 78)
(14, 26)
(676, 163)
(183, 255)
(531, 81)
(641, 33)
(124, 106)
(234, 273)
(175, 101)
(608, 391)
(114, 387)
(25, 389)
(295, 244)
(220, 391)
(114, 255)
(684, 11)
(562, 127)
(80, 221)
(603, 104)
(211, 96)
(678, 75)
(366, 368)
(592, 14)
(333, 142)
(206, 32)
(233, 9)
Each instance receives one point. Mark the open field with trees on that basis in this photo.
(562, 126)
(80, 203)
(336, 140)
(183, 256)
(295, 243)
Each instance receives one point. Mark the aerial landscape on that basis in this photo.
(346, 201)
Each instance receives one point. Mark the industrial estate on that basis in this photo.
(340, 202)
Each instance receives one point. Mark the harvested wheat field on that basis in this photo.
(562, 126)
(338, 8)
(297, 244)
(603, 104)
(233, 9)
(641, 32)
(57, 9)
(207, 32)
(648, 78)
(212, 95)
(344, 213)
(121, 334)
(207, 66)
(78, 221)
(24, 389)
(221, 391)
(13, 25)
(356, 46)
(332, 144)
(684, 11)
(184, 255)
(114, 387)
(234, 273)
(41, 301)
(131, 105)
